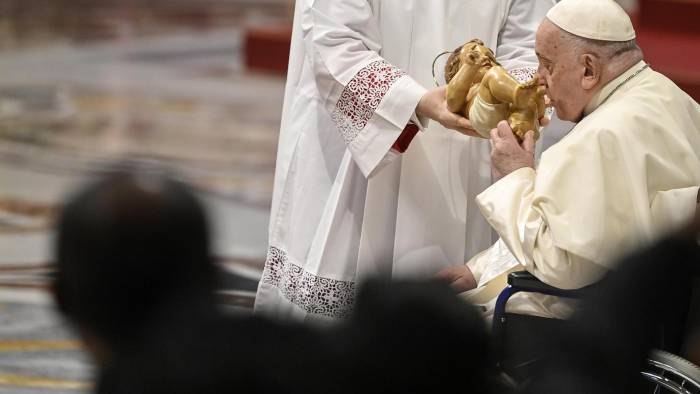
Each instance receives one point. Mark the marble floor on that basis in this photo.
(182, 99)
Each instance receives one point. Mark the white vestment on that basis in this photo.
(627, 173)
(340, 213)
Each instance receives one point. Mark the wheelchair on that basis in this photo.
(664, 371)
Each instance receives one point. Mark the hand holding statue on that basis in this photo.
(433, 105)
(507, 154)
(480, 89)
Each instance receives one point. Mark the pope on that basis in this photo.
(627, 172)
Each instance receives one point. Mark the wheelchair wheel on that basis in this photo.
(669, 373)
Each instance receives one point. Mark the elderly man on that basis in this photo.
(627, 171)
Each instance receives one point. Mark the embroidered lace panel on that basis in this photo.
(315, 294)
(523, 74)
(362, 96)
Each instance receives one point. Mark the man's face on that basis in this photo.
(561, 72)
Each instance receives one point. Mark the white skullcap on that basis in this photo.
(601, 20)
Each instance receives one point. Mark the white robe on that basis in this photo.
(340, 213)
(627, 173)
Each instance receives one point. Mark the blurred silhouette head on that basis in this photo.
(417, 336)
(130, 245)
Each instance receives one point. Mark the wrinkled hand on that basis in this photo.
(433, 105)
(507, 155)
(460, 278)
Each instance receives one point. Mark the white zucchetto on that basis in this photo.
(601, 20)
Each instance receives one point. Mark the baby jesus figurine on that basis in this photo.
(481, 90)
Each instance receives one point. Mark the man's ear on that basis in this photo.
(593, 70)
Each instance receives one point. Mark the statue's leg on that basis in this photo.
(499, 87)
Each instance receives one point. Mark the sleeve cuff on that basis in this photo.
(399, 105)
(420, 121)
(500, 202)
(386, 125)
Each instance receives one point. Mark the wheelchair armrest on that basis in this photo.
(525, 281)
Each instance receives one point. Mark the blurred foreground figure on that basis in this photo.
(136, 279)
(652, 300)
(132, 248)
(628, 172)
(417, 337)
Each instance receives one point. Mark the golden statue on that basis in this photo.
(481, 90)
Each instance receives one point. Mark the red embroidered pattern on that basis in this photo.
(362, 96)
(315, 294)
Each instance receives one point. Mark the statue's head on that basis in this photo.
(473, 52)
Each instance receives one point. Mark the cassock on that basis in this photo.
(625, 174)
(345, 205)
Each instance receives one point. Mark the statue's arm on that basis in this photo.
(459, 86)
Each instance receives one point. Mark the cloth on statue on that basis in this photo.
(485, 116)
(627, 173)
(341, 210)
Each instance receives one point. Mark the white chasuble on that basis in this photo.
(345, 205)
(627, 173)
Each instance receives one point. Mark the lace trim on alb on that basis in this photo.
(523, 74)
(315, 294)
(361, 97)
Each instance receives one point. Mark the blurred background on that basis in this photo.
(83, 82)
(194, 84)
